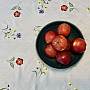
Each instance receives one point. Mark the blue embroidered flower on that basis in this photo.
(8, 86)
(47, 3)
(37, 68)
(18, 35)
(38, 7)
(10, 29)
(41, 11)
(14, 38)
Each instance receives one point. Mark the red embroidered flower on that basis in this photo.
(64, 8)
(17, 14)
(19, 61)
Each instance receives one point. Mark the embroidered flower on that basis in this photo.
(14, 38)
(37, 68)
(19, 61)
(64, 8)
(88, 9)
(41, 11)
(8, 86)
(17, 14)
(39, 62)
(9, 37)
(18, 35)
(45, 69)
(70, 84)
(10, 29)
(76, 89)
(39, 2)
(14, 31)
(45, 7)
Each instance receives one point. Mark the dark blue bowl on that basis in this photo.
(40, 44)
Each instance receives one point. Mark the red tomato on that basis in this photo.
(59, 43)
(78, 45)
(49, 36)
(64, 29)
(49, 51)
(63, 57)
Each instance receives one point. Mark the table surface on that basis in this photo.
(20, 66)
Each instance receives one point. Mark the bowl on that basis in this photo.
(40, 44)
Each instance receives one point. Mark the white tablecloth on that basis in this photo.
(21, 45)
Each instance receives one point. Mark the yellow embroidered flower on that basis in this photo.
(45, 69)
(45, 7)
(88, 9)
(14, 31)
(39, 62)
(70, 84)
(76, 89)
(9, 37)
(39, 2)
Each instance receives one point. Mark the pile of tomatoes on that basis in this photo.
(58, 44)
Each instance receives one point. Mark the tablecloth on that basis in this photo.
(20, 23)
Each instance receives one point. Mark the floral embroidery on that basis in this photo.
(45, 69)
(71, 7)
(76, 89)
(64, 8)
(9, 33)
(70, 84)
(39, 62)
(88, 9)
(70, 87)
(43, 5)
(19, 61)
(41, 69)
(6, 88)
(16, 13)
(37, 29)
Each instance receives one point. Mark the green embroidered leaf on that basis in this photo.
(44, 73)
(41, 70)
(43, 64)
(12, 65)
(6, 28)
(35, 72)
(19, 8)
(14, 8)
(13, 35)
(8, 32)
(3, 88)
(70, 4)
(71, 9)
(49, 0)
(12, 59)
(5, 34)
(38, 26)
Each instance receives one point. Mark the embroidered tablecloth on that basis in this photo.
(20, 66)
